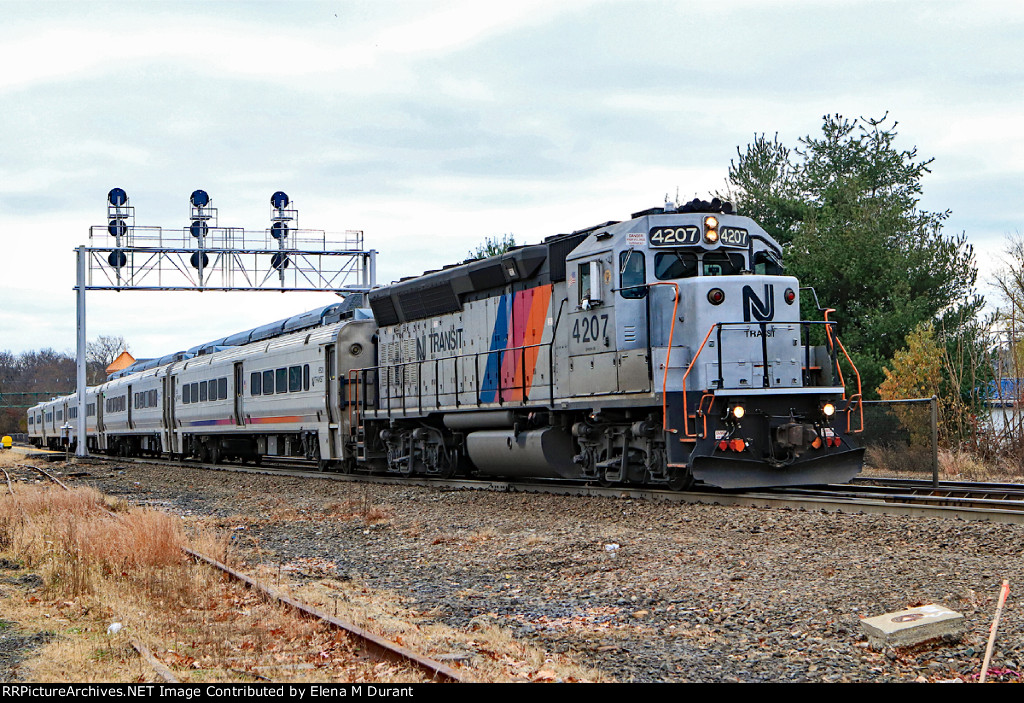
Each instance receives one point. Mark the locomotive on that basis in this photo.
(665, 350)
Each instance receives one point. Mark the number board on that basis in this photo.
(733, 237)
(684, 235)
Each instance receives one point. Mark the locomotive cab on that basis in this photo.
(748, 398)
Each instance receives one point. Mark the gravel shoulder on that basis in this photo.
(638, 590)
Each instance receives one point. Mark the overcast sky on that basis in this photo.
(432, 125)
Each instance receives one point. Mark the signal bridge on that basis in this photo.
(202, 256)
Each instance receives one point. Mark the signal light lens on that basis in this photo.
(716, 296)
(790, 296)
(828, 409)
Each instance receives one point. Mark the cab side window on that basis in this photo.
(584, 280)
(632, 274)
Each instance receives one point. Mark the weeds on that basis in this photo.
(954, 464)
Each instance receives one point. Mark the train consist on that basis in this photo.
(665, 350)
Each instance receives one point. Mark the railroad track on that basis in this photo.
(992, 502)
(377, 646)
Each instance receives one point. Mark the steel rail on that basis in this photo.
(44, 473)
(839, 499)
(378, 645)
(927, 483)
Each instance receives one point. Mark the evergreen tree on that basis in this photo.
(493, 245)
(845, 206)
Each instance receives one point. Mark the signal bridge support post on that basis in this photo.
(80, 448)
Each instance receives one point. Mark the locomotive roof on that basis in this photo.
(441, 292)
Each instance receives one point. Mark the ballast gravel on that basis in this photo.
(641, 591)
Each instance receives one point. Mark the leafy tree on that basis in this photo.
(916, 373)
(493, 246)
(845, 206)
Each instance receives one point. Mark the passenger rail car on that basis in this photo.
(668, 350)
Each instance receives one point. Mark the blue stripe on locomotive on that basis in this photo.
(499, 342)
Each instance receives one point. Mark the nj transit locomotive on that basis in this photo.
(664, 350)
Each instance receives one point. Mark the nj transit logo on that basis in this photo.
(760, 310)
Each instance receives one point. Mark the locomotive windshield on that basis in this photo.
(768, 263)
(686, 264)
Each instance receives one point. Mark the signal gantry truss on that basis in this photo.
(203, 256)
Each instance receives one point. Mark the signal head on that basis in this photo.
(199, 198)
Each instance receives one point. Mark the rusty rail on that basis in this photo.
(45, 473)
(380, 646)
(158, 666)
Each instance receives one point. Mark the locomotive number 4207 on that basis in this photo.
(590, 329)
(674, 236)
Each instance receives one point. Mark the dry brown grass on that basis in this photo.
(490, 653)
(97, 569)
(954, 465)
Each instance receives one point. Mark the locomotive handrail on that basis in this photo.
(686, 412)
(859, 395)
(500, 387)
(766, 381)
(849, 413)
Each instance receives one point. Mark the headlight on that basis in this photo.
(710, 229)
(737, 412)
(828, 409)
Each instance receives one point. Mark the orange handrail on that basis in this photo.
(686, 413)
(859, 395)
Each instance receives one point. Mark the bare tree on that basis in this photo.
(101, 353)
(105, 349)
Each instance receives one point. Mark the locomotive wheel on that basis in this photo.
(680, 480)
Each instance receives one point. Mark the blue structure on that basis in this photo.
(1004, 392)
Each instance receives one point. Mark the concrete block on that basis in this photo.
(909, 627)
